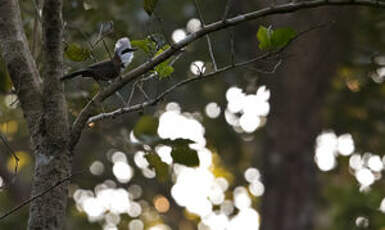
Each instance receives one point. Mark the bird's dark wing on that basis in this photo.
(104, 70)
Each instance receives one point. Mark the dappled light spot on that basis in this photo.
(212, 110)
(112, 218)
(256, 188)
(148, 173)
(11, 101)
(249, 123)
(326, 150)
(140, 160)
(97, 168)
(135, 191)
(178, 35)
(227, 207)
(246, 219)
(193, 25)
(252, 175)
(122, 171)
(375, 163)
(247, 112)
(241, 198)
(216, 221)
(161, 203)
(164, 153)
(118, 156)
(345, 144)
(198, 68)
(173, 106)
(365, 177)
(382, 206)
(174, 125)
(160, 227)
(134, 210)
(136, 224)
(362, 222)
(355, 162)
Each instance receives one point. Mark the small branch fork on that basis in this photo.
(201, 76)
(87, 112)
(210, 45)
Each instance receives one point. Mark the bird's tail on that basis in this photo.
(73, 74)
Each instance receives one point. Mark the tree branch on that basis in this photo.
(82, 119)
(20, 64)
(151, 102)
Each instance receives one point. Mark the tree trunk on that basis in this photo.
(298, 91)
(44, 107)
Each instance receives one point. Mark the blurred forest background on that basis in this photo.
(301, 148)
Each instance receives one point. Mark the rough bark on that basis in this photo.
(298, 91)
(44, 107)
(52, 158)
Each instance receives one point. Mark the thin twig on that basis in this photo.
(199, 13)
(232, 47)
(132, 92)
(24, 203)
(143, 92)
(162, 29)
(211, 52)
(275, 67)
(134, 74)
(227, 10)
(172, 62)
(106, 48)
(140, 106)
(209, 44)
(86, 38)
(134, 86)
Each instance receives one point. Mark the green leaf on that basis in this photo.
(264, 38)
(178, 141)
(181, 152)
(147, 45)
(184, 155)
(282, 36)
(75, 52)
(149, 6)
(274, 39)
(146, 129)
(164, 69)
(161, 168)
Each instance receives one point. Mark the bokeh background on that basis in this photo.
(307, 140)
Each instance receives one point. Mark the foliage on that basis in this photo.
(76, 53)
(270, 39)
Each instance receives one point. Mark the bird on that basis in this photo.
(109, 69)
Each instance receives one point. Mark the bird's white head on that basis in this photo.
(125, 51)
